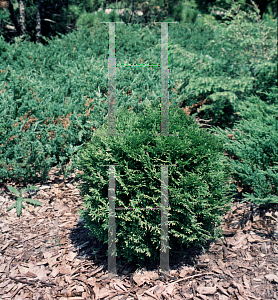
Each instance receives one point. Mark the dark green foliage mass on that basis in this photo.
(198, 185)
(256, 150)
(53, 97)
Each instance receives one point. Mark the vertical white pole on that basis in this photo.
(164, 128)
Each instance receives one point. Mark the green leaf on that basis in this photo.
(33, 201)
(13, 206)
(19, 206)
(14, 190)
(31, 188)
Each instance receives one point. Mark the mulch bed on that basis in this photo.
(46, 253)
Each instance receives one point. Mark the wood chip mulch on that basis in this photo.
(46, 253)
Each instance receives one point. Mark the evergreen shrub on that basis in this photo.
(198, 186)
(255, 150)
(226, 62)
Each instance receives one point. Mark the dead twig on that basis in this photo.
(32, 282)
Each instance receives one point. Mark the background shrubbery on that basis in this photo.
(53, 97)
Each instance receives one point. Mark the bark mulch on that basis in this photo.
(46, 253)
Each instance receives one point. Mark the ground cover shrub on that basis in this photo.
(52, 99)
(238, 58)
(255, 148)
(238, 66)
(198, 185)
(46, 103)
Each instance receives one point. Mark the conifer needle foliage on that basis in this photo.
(198, 184)
(53, 97)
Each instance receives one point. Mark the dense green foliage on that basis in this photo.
(37, 107)
(253, 52)
(256, 151)
(198, 184)
(53, 97)
(240, 61)
(50, 110)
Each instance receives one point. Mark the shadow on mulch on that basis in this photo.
(90, 248)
